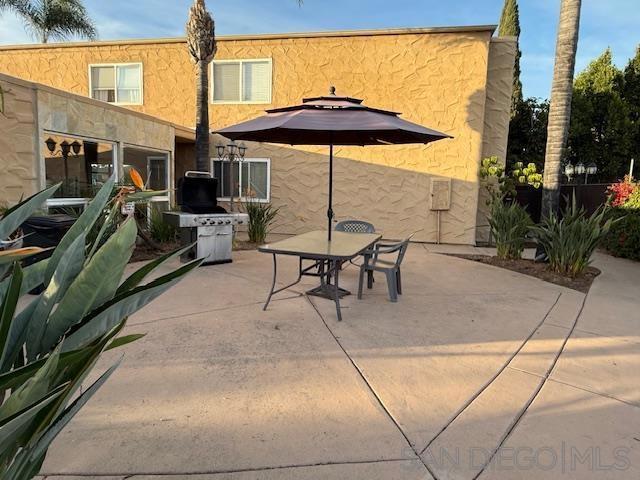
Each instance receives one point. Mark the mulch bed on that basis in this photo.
(581, 283)
(144, 252)
(245, 245)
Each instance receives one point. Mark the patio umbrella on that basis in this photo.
(331, 120)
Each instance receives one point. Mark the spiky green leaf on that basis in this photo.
(96, 284)
(82, 225)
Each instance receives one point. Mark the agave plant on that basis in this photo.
(570, 241)
(510, 224)
(261, 216)
(48, 347)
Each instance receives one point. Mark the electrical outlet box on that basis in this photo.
(440, 194)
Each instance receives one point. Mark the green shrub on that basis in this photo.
(510, 224)
(160, 230)
(261, 216)
(623, 239)
(633, 201)
(50, 343)
(569, 242)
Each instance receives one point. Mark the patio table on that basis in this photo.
(328, 257)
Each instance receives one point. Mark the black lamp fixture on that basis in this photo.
(51, 144)
(75, 147)
(65, 149)
(232, 153)
(591, 169)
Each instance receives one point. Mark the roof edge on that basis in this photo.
(83, 99)
(265, 36)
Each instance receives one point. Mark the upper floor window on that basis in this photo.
(241, 81)
(116, 83)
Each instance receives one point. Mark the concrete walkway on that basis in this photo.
(477, 372)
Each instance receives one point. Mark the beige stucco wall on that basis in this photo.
(33, 112)
(70, 114)
(18, 145)
(437, 79)
(497, 116)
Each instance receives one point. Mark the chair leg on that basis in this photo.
(360, 282)
(369, 279)
(392, 285)
(399, 281)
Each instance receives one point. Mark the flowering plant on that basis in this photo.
(619, 193)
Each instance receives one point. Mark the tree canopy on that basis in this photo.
(601, 127)
(605, 120)
(510, 27)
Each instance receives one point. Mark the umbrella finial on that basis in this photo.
(332, 90)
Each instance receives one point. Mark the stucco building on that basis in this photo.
(133, 103)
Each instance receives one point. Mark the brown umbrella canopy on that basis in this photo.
(331, 120)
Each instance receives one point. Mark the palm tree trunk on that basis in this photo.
(202, 117)
(560, 106)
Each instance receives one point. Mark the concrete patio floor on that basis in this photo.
(476, 372)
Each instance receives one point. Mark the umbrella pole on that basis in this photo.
(330, 209)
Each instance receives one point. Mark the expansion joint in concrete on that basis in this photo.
(471, 399)
(372, 390)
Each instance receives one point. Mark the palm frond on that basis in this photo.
(201, 39)
(55, 19)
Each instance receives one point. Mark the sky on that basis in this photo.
(604, 23)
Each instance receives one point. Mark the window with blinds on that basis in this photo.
(241, 81)
(116, 83)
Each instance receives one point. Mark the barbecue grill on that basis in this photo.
(202, 221)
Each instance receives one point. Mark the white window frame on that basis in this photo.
(115, 67)
(166, 197)
(165, 158)
(238, 164)
(241, 61)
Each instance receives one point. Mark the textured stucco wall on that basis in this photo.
(17, 143)
(73, 115)
(33, 111)
(497, 115)
(436, 79)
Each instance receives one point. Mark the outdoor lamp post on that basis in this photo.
(231, 153)
(65, 149)
(569, 170)
(592, 169)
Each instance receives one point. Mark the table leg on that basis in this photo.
(336, 288)
(324, 280)
(273, 290)
(273, 283)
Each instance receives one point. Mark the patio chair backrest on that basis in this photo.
(403, 250)
(355, 226)
(403, 245)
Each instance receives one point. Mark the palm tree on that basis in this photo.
(560, 106)
(201, 41)
(11, 4)
(53, 19)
